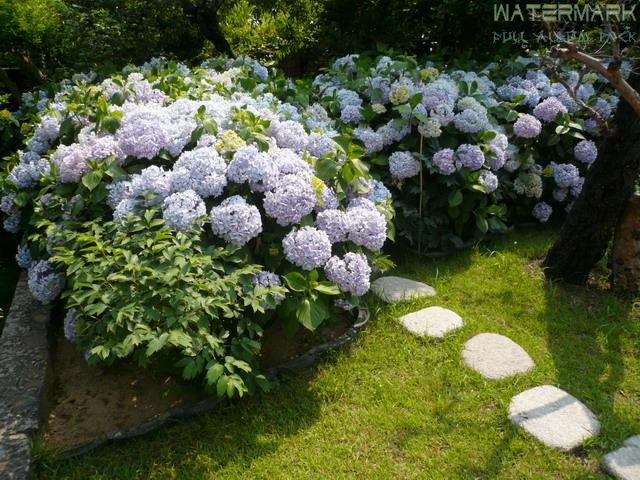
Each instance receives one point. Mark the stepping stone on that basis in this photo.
(495, 356)
(554, 417)
(624, 463)
(395, 289)
(432, 322)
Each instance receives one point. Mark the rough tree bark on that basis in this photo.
(205, 14)
(608, 186)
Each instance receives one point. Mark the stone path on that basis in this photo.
(432, 321)
(495, 356)
(554, 417)
(395, 289)
(549, 414)
(624, 463)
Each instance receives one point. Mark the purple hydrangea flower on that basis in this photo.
(45, 284)
(235, 220)
(289, 134)
(307, 247)
(586, 152)
(368, 227)
(7, 203)
(71, 162)
(548, 109)
(576, 188)
(403, 165)
(471, 121)
(498, 159)
(70, 321)
(201, 170)
(469, 156)
(23, 257)
(250, 165)
(292, 198)
(152, 179)
(542, 211)
(351, 114)
(351, 273)
(335, 223)
(182, 209)
(443, 159)
(488, 180)
(377, 191)
(373, 141)
(527, 126)
(565, 174)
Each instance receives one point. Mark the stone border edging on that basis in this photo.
(296, 364)
(25, 377)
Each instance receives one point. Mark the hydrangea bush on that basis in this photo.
(204, 160)
(463, 152)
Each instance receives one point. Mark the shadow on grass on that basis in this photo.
(237, 434)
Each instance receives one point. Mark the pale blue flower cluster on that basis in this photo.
(351, 273)
(565, 175)
(586, 152)
(488, 180)
(548, 109)
(291, 199)
(44, 282)
(307, 247)
(367, 226)
(182, 209)
(335, 223)
(542, 211)
(444, 160)
(403, 165)
(69, 325)
(469, 156)
(236, 221)
(26, 174)
(23, 257)
(527, 126)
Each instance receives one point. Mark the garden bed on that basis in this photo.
(93, 405)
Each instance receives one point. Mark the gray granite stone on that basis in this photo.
(432, 322)
(495, 356)
(554, 417)
(395, 289)
(624, 463)
(24, 377)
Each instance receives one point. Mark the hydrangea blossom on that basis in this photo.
(182, 209)
(7, 203)
(236, 221)
(527, 126)
(469, 156)
(307, 247)
(444, 160)
(548, 109)
(350, 273)
(488, 180)
(430, 129)
(351, 114)
(23, 257)
(70, 321)
(586, 152)
(403, 165)
(471, 121)
(250, 165)
(335, 223)
(292, 198)
(565, 174)
(401, 91)
(560, 194)
(368, 227)
(320, 145)
(528, 184)
(26, 174)
(373, 141)
(201, 170)
(542, 211)
(154, 180)
(377, 191)
(497, 159)
(44, 282)
(289, 134)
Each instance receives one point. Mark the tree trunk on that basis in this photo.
(608, 186)
(205, 14)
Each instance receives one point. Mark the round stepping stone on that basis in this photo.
(624, 463)
(495, 356)
(432, 322)
(395, 289)
(554, 417)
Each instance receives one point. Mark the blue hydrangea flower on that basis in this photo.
(498, 159)
(26, 174)
(368, 227)
(44, 283)
(152, 179)
(373, 141)
(201, 170)
(236, 221)
(320, 145)
(444, 160)
(471, 121)
(488, 180)
(307, 247)
(377, 191)
(250, 165)
(292, 198)
(565, 174)
(182, 209)
(403, 165)
(23, 257)
(549, 108)
(527, 126)
(335, 223)
(7, 203)
(560, 194)
(70, 321)
(586, 152)
(350, 273)
(267, 279)
(12, 223)
(542, 211)
(470, 156)
(289, 134)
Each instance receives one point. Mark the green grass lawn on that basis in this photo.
(396, 406)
